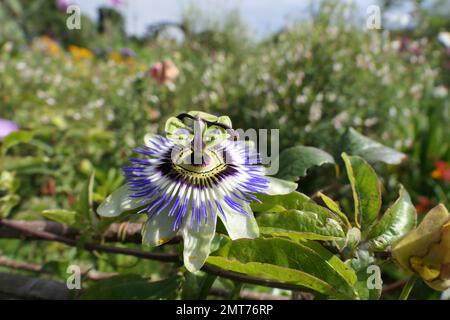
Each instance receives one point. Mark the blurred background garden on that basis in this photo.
(85, 97)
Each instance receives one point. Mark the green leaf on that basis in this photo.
(85, 201)
(25, 163)
(366, 190)
(355, 143)
(295, 162)
(295, 225)
(132, 286)
(334, 206)
(84, 205)
(361, 263)
(278, 203)
(16, 137)
(9, 182)
(279, 186)
(398, 220)
(61, 215)
(196, 285)
(8, 202)
(293, 200)
(306, 264)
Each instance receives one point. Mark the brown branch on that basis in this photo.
(24, 229)
(32, 267)
(44, 235)
(16, 286)
(128, 232)
(116, 232)
(394, 286)
(97, 275)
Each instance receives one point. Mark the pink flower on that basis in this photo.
(6, 127)
(164, 72)
(63, 4)
(116, 3)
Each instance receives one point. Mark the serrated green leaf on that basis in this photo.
(398, 220)
(294, 162)
(61, 215)
(132, 286)
(295, 225)
(366, 190)
(298, 263)
(355, 143)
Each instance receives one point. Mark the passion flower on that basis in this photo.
(186, 179)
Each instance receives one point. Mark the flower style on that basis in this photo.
(6, 127)
(441, 171)
(184, 180)
(164, 72)
(426, 249)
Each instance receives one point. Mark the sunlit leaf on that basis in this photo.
(355, 143)
(305, 264)
(295, 162)
(398, 220)
(366, 190)
(295, 224)
(61, 215)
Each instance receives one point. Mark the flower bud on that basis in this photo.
(426, 249)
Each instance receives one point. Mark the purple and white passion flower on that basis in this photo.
(186, 179)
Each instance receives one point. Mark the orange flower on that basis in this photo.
(164, 72)
(441, 171)
(423, 204)
(79, 53)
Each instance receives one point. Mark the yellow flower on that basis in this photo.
(125, 55)
(115, 56)
(47, 44)
(79, 53)
(426, 249)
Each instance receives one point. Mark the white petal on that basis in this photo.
(279, 186)
(158, 229)
(197, 244)
(117, 202)
(239, 225)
